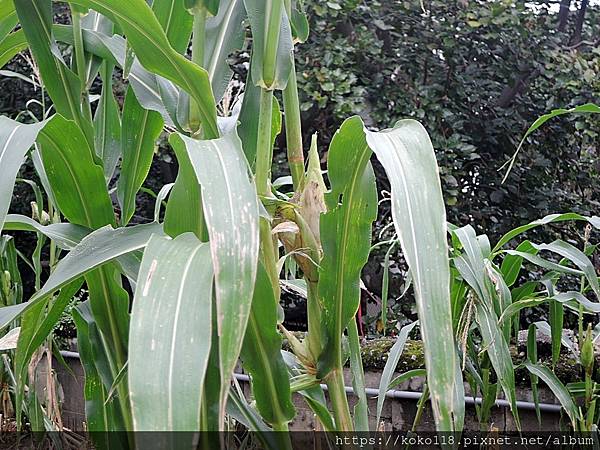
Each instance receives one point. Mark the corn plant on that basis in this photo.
(207, 278)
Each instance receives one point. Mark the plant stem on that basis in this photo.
(293, 129)
(264, 152)
(80, 62)
(283, 435)
(198, 39)
(293, 123)
(314, 320)
(339, 401)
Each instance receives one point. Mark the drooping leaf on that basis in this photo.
(15, 140)
(141, 129)
(407, 156)
(588, 108)
(147, 38)
(170, 337)
(98, 248)
(559, 390)
(552, 218)
(231, 213)
(577, 257)
(65, 235)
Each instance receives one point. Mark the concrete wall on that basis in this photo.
(397, 415)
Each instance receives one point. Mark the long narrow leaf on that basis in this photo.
(407, 156)
(231, 212)
(170, 338)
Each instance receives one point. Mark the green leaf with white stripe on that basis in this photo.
(419, 215)
(231, 213)
(170, 337)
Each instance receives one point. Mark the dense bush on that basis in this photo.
(477, 74)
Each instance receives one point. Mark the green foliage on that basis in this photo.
(476, 74)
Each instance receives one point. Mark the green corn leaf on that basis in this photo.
(557, 388)
(577, 257)
(391, 364)
(552, 218)
(272, 43)
(8, 17)
(107, 125)
(512, 264)
(95, 22)
(361, 409)
(539, 261)
(184, 211)
(62, 84)
(101, 416)
(407, 376)
(588, 108)
(407, 156)
(151, 45)
(497, 349)
(261, 355)
(532, 357)
(15, 140)
(345, 235)
(570, 298)
(176, 21)
(224, 35)
(65, 235)
(141, 129)
(11, 46)
(77, 181)
(170, 337)
(98, 248)
(231, 212)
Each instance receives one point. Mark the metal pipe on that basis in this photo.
(402, 395)
(410, 395)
